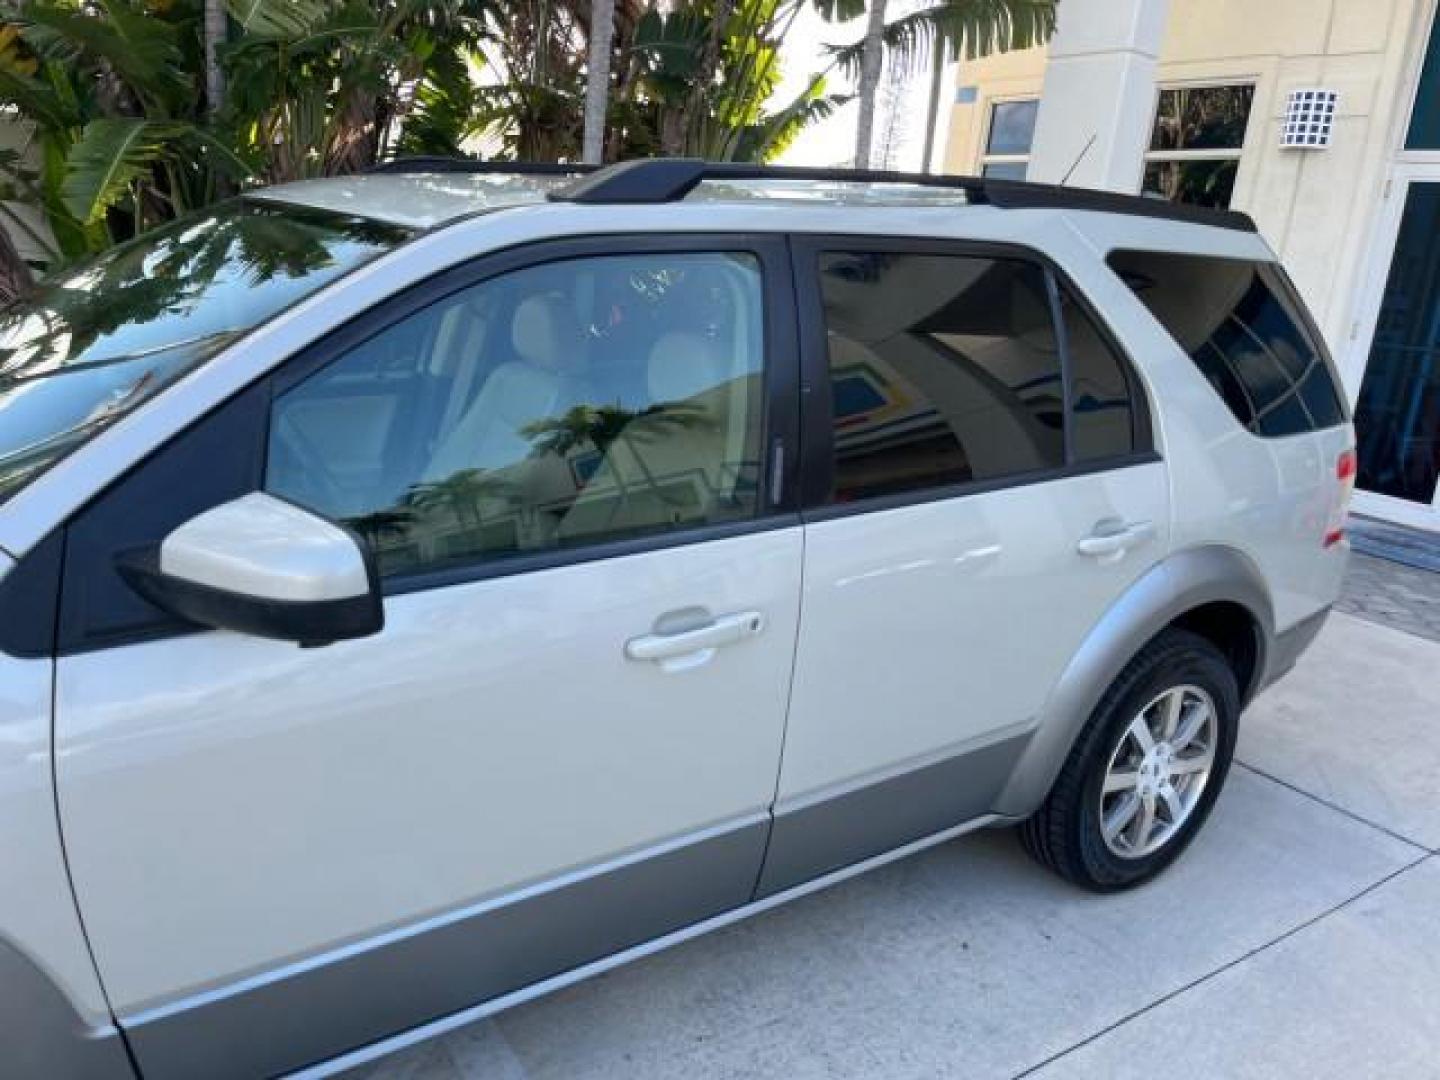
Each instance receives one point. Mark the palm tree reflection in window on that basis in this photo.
(470, 512)
(602, 426)
(463, 493)
(379, 527)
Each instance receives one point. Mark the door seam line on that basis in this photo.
(785, 726)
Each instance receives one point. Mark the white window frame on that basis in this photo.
(1235, 154)
(987, 158)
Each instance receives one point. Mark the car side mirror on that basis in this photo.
(260, 565)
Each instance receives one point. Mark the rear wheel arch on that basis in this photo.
(1235, 631)
(1214, 591)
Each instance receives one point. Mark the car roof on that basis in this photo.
(430, 200)
(413, 200)
(432, 192)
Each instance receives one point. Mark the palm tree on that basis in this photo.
(216, 28)
(872, 54)
(597, 79)
(962, 28)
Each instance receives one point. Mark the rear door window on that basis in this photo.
(943, 370)
(947, 369)
(1242, 325)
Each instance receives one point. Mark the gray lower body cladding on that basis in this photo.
(332, 1004)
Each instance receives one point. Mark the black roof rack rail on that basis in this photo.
(671, 179)
(435, 163)
(1023, 194)
(657, 180)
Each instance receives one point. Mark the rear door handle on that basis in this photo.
(1113, 538)
(690, 648)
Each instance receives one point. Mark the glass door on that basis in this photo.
(1397, 415)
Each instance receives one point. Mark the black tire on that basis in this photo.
(1065, 833)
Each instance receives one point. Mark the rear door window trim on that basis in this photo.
(817, 427)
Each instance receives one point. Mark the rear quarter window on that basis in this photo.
(1244, 327)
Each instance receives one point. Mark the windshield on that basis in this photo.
(93, 343)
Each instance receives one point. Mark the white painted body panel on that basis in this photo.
(37, 914)
(947, 623)
(232, 803)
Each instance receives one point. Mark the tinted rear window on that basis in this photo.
(947, 369)
(1242, 325)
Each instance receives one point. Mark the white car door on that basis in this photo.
(566, 738)
(981, 488)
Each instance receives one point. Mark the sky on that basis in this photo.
(832, 142)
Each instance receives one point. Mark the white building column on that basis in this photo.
(1098, 102)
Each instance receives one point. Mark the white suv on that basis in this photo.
(425, 589)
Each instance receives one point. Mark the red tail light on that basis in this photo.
(1345, 468)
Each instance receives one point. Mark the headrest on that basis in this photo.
(683, 365)
(545, 333)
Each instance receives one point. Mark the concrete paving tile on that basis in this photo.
(967, 960)
(1356, 994)
(477, 1050)
(429, 1061)
(481, 1050)
(1387, 592)
(1357, 723)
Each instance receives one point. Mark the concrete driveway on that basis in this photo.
(1300, 936)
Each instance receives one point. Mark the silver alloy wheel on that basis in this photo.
(1158, 771)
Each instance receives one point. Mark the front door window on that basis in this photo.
(557, 406)
(1397, 420)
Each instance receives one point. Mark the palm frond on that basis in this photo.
(109, 157)
(34, 99)
(143, 51)
(277, 18)
(962, 28)
(773, 132)
(839, 10)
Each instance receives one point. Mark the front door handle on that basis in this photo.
(1112, 538)
(690, 648)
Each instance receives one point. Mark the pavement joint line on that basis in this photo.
(1337, 808)
(1170, 995)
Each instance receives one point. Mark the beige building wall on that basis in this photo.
(1318, 208)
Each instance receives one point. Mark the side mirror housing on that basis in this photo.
(259, 565)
